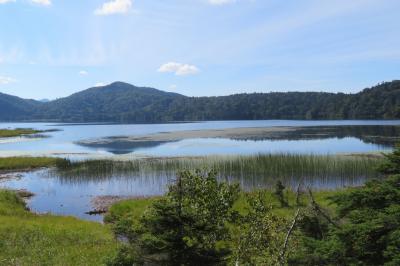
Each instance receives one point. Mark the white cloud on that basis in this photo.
(114, 7)
(101, 84)
(220, 2)
(173, 87)
(83, 73)
(178, 68)
(42, 2)
(6, 80)
(6, 1)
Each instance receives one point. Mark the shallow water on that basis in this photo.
(63, 143)
(72, 196)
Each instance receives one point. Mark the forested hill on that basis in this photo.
(122, 102)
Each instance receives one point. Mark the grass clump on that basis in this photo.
(28, 163)
(30, 239)
(9, 133)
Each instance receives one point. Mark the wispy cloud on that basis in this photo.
(6, 80)
(42, 2)
(220, 2)
(114, 7)
(6, 1)
(101, 84)
(83, 73)
(179, 69)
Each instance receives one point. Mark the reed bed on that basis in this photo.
(238, 167)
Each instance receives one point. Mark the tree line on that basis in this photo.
(124, 103)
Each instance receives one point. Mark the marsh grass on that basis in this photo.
(27, 163)
(293, 168)
(30, 239)
(8, 133)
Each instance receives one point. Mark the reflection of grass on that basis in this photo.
(30, 239)
(26, 163)
(246, 167)
(7, 133)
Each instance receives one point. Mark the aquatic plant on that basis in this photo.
(249, 171)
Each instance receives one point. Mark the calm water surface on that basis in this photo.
(63, 143)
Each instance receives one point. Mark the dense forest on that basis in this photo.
(122, 102)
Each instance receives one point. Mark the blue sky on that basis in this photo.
(53, 48)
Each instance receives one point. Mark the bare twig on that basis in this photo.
(285, 244)
(318, 209)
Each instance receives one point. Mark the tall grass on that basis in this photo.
(27, 163)
(290, 167)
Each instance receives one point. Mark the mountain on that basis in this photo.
(13, 108)
(122, 102)
(112, 103)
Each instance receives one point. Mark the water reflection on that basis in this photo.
(330, 136)
(335, 139)
(72, 195)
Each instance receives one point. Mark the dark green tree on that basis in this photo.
(369, 231)
(279, 193)
(186, 227)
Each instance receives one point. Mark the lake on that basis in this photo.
(72, 196)
(63, 143)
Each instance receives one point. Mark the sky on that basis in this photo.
(53, 48)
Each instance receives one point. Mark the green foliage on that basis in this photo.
(392, 164)
(122, 102)
(186, 227)
(279, 193)
(30, 239)
(369, 230)
(259, 220)
(257, 235)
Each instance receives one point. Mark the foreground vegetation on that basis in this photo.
(30, 239)
(28, 163)
(203, 222)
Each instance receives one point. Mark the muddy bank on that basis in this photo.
(385, 136)
(231, 133)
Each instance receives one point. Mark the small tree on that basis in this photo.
(279, 193)
(391, 166)
(369, 230)
(186, 227)
(258, 236)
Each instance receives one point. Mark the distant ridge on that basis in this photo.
(122, 102)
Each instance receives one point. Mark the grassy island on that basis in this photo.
(9, 133)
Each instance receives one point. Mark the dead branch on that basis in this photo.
(318, 209)
(285, 244)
